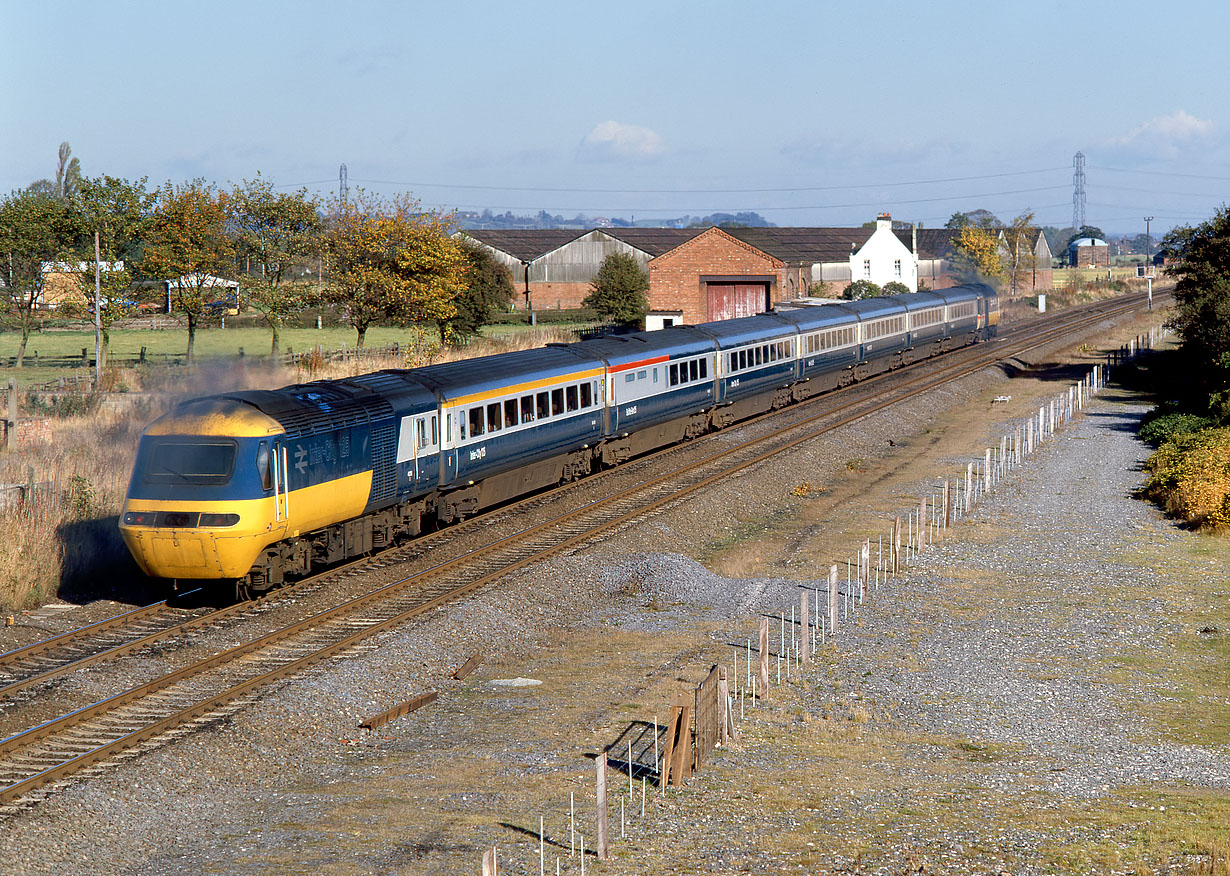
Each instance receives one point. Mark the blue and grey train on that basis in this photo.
(249, 488)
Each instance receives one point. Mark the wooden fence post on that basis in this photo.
(895, 547)
(805, 627)
(764, 657)
(10, 431)
(833, 599)
(489, 863)
(602, 826)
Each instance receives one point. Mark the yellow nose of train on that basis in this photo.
(202, 502)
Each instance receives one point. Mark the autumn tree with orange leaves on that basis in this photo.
(188, 247)
(976, 254)
(392, 263)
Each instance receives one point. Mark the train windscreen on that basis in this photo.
(189, 462)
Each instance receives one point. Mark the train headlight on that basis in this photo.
(219, 519)
(140, 518)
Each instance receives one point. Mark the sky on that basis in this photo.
(809, 113)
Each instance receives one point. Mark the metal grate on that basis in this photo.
(384, 463)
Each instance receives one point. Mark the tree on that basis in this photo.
(489, 288)
(976, 254)
(1019, 239)
(392, 262)
(862, 289)
(975, 218)
(618, 290)
(189, 247)
(120, 212)
(35, 231)
(270, 232)
(1202, 296)
(68, 175)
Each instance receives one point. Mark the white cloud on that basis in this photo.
(1166, 136)
(615, 140)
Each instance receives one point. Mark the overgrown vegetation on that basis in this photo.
(1190, 471)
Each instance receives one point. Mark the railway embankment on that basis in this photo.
(1041, 693)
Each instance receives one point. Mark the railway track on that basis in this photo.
(52, 751)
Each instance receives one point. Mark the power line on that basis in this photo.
(1161, 173)
(877, 203)
(470, 186)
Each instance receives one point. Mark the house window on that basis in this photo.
(866, 269)
(897, 268)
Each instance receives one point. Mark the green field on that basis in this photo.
(213, 342)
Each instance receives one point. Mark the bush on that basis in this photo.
(1159, 429)
(1190, 477)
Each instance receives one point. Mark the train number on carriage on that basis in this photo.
(630, 411)
(478, 453)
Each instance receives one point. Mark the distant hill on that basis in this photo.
(543, 219)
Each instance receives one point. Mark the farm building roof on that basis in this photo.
(526, 243)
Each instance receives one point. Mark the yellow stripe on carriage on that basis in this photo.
(528, 386)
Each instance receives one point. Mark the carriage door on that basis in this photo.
(426, 432)
(274, 469)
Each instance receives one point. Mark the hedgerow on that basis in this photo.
(1190, 477)
(1160, 429)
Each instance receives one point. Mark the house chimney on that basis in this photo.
(914, 239)
(884, 221)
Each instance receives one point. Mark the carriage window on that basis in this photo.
(774, 352)
(421, 428)
(571, 394)
(557, 402)
(435, 431)
(510, 412)
(641, 375)
(655, 374)
(527, 408)
(704, 368)
(544, 406)
(674, 373)
(629, 377)
(742, 359)
(494, 421)
(476, 422)
(587, 393)
(694, 367)
(263, 467)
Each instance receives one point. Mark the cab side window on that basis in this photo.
(263, 466)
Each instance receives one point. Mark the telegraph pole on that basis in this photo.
(97, 318)
(1149, 260)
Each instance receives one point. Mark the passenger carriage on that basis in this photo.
(883, 334)
(514, 423)
(828, 347)
(660, 386)
(755, 359)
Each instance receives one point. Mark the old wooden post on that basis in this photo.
(805, 627)
(600, 762)
(764, 656)
(922, 523)
(10, 430)
(947, 507)
(489, 863)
